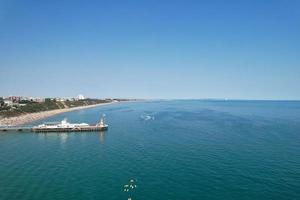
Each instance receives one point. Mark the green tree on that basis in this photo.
(1, 101)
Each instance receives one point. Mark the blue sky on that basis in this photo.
(151, 49)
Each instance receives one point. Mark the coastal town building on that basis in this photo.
(14, 98)
(37, 99)
(80, 97)
(61, 99)
(8, 102)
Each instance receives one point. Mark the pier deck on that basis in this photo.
(15, 128)
(39, 130)
(78, 129)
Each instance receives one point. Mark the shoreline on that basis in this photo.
(31, 117)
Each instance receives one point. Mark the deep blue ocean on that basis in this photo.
(172, 150)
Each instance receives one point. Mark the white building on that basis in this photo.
(60, 99)
(8, 102)
(80, 97)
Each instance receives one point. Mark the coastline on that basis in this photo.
(31, 117)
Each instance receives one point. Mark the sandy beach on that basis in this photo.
(31, 117)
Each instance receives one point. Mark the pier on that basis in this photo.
(2, 129)
(66, 129)
(44, 130)
(62, 126)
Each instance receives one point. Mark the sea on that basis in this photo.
(160, 150)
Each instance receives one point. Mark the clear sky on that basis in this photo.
(151, 49)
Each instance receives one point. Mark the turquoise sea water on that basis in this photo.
(172, 149)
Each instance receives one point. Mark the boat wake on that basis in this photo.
(147, 117)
